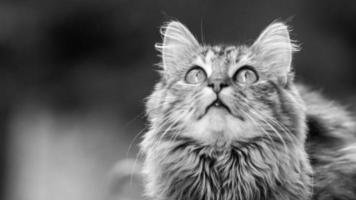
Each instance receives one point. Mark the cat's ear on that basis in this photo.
(274, 49)
(178, 44)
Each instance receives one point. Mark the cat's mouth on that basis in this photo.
(217, 104)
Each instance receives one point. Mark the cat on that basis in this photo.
(228, 122)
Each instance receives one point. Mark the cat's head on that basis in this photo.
(224, 93)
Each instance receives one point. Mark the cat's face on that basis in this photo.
(217, 94)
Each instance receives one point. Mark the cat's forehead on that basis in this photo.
(221, 57)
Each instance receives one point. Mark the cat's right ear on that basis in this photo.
(177, 46)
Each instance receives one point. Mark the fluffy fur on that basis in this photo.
(331, 145)
(254, 149)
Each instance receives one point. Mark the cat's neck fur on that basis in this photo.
(251, 170)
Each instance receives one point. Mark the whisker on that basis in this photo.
(258, 125)
(258, 115)
(280, 125)
(134, 165)
(131, 144)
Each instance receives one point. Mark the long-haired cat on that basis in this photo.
(228, 122)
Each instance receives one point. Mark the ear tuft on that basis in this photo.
(178, 43)
(274, 48)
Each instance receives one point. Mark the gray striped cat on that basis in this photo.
(228, 122)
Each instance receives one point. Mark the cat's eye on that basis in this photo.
(245, 75)
(195, 75)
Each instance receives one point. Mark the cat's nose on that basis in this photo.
(217, 84)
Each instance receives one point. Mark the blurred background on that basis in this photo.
(74, 75)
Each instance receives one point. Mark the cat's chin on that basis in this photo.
(218, 125)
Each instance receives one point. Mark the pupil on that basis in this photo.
(197, 75)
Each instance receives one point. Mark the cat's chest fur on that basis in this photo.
(190, 172)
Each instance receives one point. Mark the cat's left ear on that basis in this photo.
(274, 50)
(178, 45)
